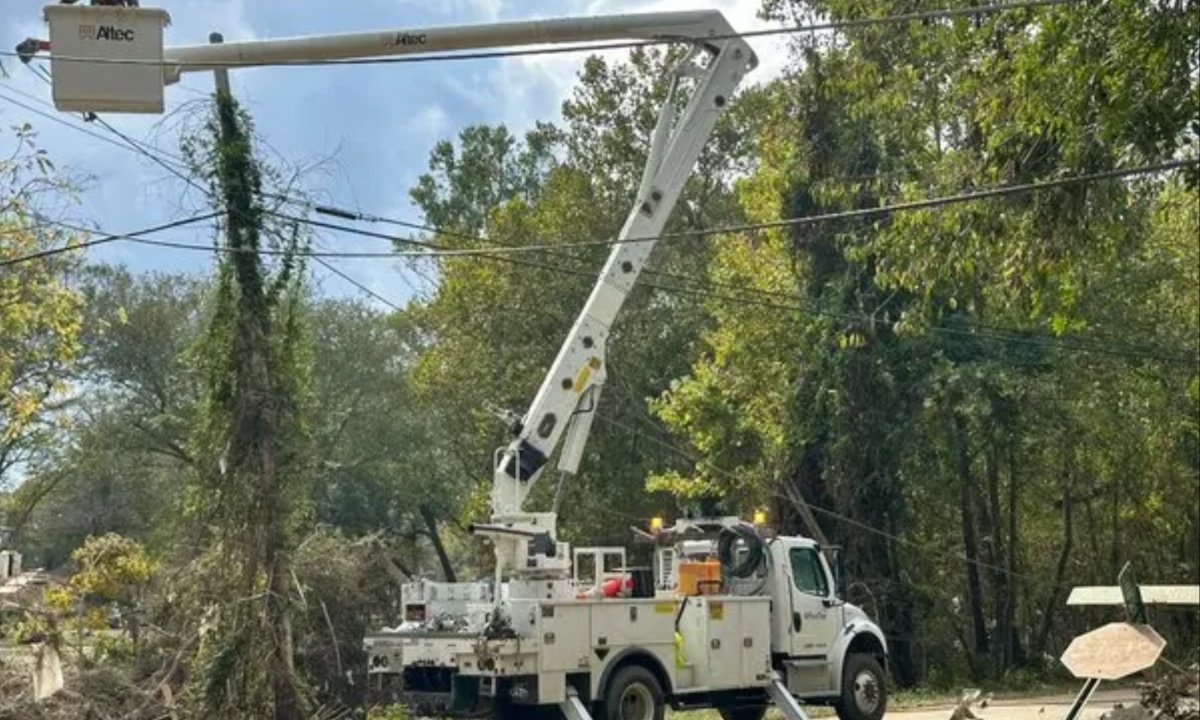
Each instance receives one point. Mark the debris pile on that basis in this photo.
(1175, 696)
(99, 693)
(1132, 712)
(967, 699)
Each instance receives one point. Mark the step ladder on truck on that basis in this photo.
(733, 617)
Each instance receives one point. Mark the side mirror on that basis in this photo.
(838, 564)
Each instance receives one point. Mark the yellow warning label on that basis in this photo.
(716, 610)
(585, 373)
(664, 607)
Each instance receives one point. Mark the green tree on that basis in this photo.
(938, 358)
(40, 313)
(124, 454)
(489, 167)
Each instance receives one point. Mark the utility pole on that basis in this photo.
(257, 408)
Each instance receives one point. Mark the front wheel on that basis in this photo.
(864, 689)
(633, 693)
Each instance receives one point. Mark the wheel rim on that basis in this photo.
(637, 703)
(866, 692)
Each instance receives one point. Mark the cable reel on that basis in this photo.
(756, 553)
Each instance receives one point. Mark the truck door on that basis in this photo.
(814, 616)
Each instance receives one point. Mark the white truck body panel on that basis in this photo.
(726, 643)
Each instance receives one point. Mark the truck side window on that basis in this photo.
(807, 572)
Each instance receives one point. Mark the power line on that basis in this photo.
(936, 14)
(54, 118)
(131, 144)
(433, 250)
(707, 283)
(175, 168)
(705, 294)
(133, 236)
(680, 452)
(128, 143)
(430, 249)
(363, 288)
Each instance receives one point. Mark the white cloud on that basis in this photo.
(532, 87)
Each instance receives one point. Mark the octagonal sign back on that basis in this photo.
(1113, 651)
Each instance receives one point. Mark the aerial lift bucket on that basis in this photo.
(106, 58)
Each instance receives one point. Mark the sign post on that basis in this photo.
(1110, 653)
(1135, 608)
(1119, 649)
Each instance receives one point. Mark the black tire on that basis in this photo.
(742, 713)
(864, 689)
(633, 693)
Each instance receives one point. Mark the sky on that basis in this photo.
(362, 132)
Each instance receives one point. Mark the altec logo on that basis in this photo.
(407, 39)
(105, 32)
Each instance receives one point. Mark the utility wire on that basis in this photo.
(430, 249)
(128, 143)
(190, 181)
(935, 14)
(107, 238)
(705, 294)
(54, 118)
(361, 287)
(707, 283)
(689, 457)
(433, 250)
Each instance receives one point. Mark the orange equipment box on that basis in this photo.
(699, 577)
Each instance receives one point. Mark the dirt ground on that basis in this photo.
(1049, 707)
(1043, 707)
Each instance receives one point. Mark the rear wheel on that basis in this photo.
(633, 693)
(864, 689)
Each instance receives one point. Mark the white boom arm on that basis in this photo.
(570, 392)
(683, 26)
(571, 387)
(128, 79)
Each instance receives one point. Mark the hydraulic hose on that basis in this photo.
(755, 550)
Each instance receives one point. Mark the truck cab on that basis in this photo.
(827, 650)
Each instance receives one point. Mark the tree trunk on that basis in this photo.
(1114, 558)
(970, 542)
(1001, 597)
(435, 537)
(1015, 652)
(1064, 556)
